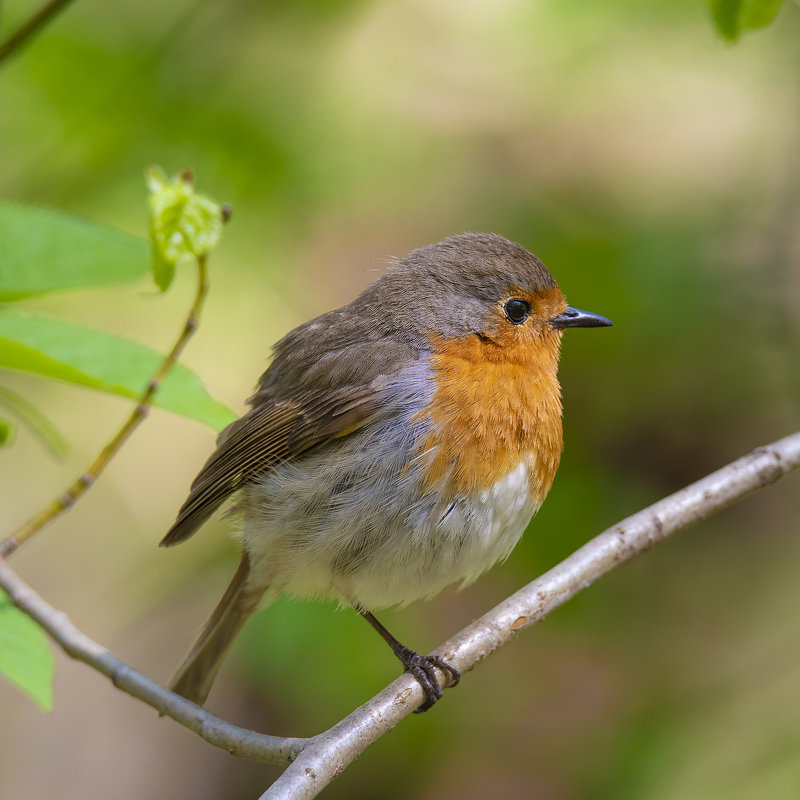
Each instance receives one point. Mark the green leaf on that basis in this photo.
(88, 357)
(163, 271)
(25, 655)
(184, 225)
(45, 430)
(734, 17)
(7, 431)
(47, 251)
(758, 14)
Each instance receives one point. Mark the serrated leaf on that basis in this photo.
(734, 17)
(99, 360)
(25, 655)
(184, 225)
(47, 251)
(36, 422)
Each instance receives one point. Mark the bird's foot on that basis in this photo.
(423, 668)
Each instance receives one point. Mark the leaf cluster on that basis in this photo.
(45, 252)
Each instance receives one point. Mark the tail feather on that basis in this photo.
(194, 677)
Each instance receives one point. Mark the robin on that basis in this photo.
(394, 446)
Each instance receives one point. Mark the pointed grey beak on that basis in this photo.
(575, 318)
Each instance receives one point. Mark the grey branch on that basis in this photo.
(316, 761)
(327, 754)
(238, 741)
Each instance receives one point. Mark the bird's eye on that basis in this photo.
(517, 311)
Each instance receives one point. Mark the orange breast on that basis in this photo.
(497, 403)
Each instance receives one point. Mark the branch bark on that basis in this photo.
(237, 741)
(318, 760)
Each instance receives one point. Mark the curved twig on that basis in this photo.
(237, 741)
(140, 411)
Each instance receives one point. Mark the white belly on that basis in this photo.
(454, 546)
(411, 555)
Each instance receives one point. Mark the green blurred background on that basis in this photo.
(652, 166)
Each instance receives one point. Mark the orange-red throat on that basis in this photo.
(497, 401)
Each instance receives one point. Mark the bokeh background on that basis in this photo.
(651, 165)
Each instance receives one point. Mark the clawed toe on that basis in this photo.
(448, 669)
(423, 668)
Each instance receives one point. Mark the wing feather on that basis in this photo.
(269, 433)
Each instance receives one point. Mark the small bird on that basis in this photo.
(394, 446)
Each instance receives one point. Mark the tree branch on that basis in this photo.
(30, 28)
(316, 761)
(327, 754)
(237, 741)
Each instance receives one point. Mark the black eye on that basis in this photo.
(517, 310)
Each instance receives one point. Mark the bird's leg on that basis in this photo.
(423, 668)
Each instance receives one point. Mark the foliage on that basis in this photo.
(41, 425)
(25, 656)
(650, 166)
(45, 251)
(735, 17)
(183, 224)
(86, 357)
(49, 251)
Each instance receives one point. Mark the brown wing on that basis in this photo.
(273, 431)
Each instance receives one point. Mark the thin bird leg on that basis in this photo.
(423, 668)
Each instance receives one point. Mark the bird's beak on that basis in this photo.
(575, 318)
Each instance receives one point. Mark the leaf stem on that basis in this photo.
(30, 28)
(136, 417)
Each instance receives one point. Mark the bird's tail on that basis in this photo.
(194, 677)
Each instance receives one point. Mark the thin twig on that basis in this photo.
(316, 761)
(30, 28)
(238, 741)
(137, 416)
